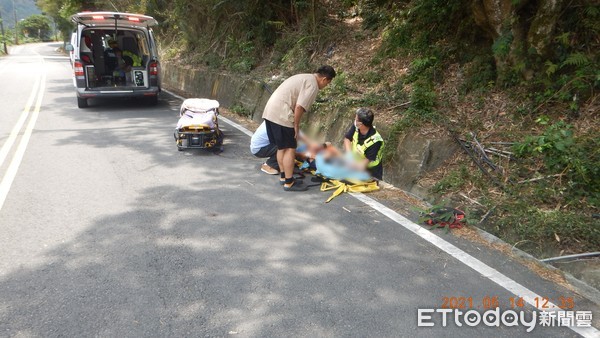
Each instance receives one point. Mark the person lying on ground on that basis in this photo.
(331, 163)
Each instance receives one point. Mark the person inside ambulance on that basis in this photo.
(116, 63)
(131, 60)
(364, 143)
(112, 55)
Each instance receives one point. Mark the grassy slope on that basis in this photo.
(538, 215)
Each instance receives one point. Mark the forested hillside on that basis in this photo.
(24, 9)
(517, 79)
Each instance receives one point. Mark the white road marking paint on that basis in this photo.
(470, 261)
(13, 168)
(37, 56)
(56, 57)
(4, 65)
(14, 132)
(239, 127)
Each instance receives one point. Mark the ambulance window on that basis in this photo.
(143, 44)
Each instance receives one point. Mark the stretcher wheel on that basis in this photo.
(218, 149)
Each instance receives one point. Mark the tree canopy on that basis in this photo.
(36, 26)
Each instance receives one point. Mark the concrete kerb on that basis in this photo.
(577, 285)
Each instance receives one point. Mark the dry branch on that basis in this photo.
(540, 178)
(470, 199)
(486, 215)
(398, 106)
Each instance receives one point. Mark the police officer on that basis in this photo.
(365, 143)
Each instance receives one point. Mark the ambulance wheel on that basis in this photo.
(82, 102)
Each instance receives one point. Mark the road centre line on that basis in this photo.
(15, 49)
(14, 132)
(463, 257)
(56, 57)
(4, 65)
(13, 168)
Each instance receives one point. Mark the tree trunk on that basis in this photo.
(542, 28)
(492, 15)
(507, 23)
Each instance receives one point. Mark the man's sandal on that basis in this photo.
(296, 186)
(296, 178)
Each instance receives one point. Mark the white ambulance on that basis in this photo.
(114, 55)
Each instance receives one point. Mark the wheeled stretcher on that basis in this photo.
(198, 125)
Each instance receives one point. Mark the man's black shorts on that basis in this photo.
(283, 137)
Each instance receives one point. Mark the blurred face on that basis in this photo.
(323, 82)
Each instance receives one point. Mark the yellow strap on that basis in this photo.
(364, 187)
(344, 187)
(328, 185)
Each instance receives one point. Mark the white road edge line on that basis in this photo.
(239, 127)
(4, 65)
(470, 261)
(13, 168)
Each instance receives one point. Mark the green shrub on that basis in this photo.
(425, 25)
(212, 60)
(423, 101)
(455, 179)
(371, 77)
(501, 46)
(242, 66)
(562, 153)
(239, 109)
(423, 68)
(480, 74)
(547, 231)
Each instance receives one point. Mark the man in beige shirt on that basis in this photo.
(282, 116)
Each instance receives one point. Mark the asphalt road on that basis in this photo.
(107, 230)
